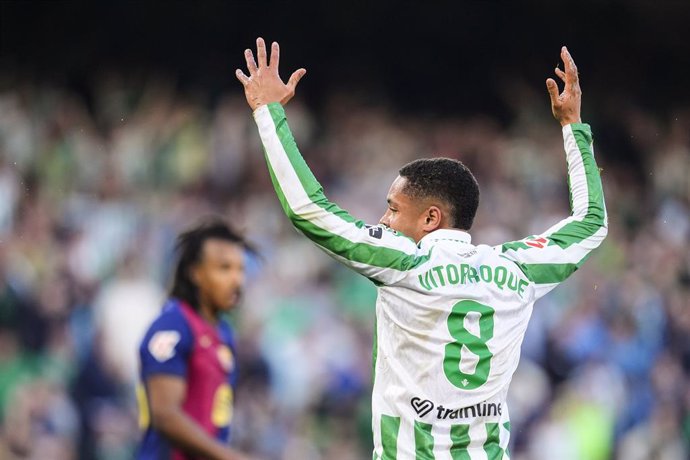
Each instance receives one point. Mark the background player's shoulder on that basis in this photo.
(171, 323)
(170, 315)
(167, 342)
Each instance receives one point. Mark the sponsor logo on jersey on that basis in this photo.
(162, 344)
(540, 242)
(484, 409)
(421, 407)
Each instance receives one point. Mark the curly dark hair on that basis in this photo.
(448, 180)
(189, 247)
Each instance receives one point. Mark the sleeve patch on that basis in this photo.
(162, 345)
(539, 243)
(375, 231)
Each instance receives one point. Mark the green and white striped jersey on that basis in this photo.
(450, 316)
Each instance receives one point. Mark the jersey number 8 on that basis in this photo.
(476, 345)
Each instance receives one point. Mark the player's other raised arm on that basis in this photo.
(377, 253)
(549, 258)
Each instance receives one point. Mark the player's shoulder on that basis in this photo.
(170, 325)
(171, 315)
(494, 254)
(167, 343)
(486, 250)
(490, 256)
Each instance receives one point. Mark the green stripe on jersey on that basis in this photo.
(549, 273)
(423, 441)
(389, 437)
(492, 445)
(515, 245)
(460, 436)
(575, 232)
(506, 425)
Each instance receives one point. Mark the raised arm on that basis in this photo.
(376, 252)
(549, 258)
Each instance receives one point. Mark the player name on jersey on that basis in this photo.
(451, 274)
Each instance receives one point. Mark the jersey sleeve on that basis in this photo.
(376, 252)
(166, 346)
(549, 258)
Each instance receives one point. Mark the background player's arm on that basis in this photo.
(552, 256)
(166, 394)
(164, 354)
(378, 253)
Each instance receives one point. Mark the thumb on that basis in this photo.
(295, 78)
(552, 88)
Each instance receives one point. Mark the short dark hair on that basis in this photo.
(448, 180)
(189, 247)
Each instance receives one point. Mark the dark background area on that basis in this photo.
(457, 57)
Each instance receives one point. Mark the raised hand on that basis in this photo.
(264, 85)
(566, 106)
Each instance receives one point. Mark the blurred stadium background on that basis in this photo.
(122, 123)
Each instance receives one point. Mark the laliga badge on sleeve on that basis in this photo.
(162, 345)
(539, 243)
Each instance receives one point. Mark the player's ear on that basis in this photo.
(432, 218)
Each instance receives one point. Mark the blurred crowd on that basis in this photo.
(95, 186)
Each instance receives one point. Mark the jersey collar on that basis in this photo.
(447, 234)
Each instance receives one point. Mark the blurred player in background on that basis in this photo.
(450, 315)
(187, 356)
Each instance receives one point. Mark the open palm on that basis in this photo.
(566, 105)
(264, 85)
